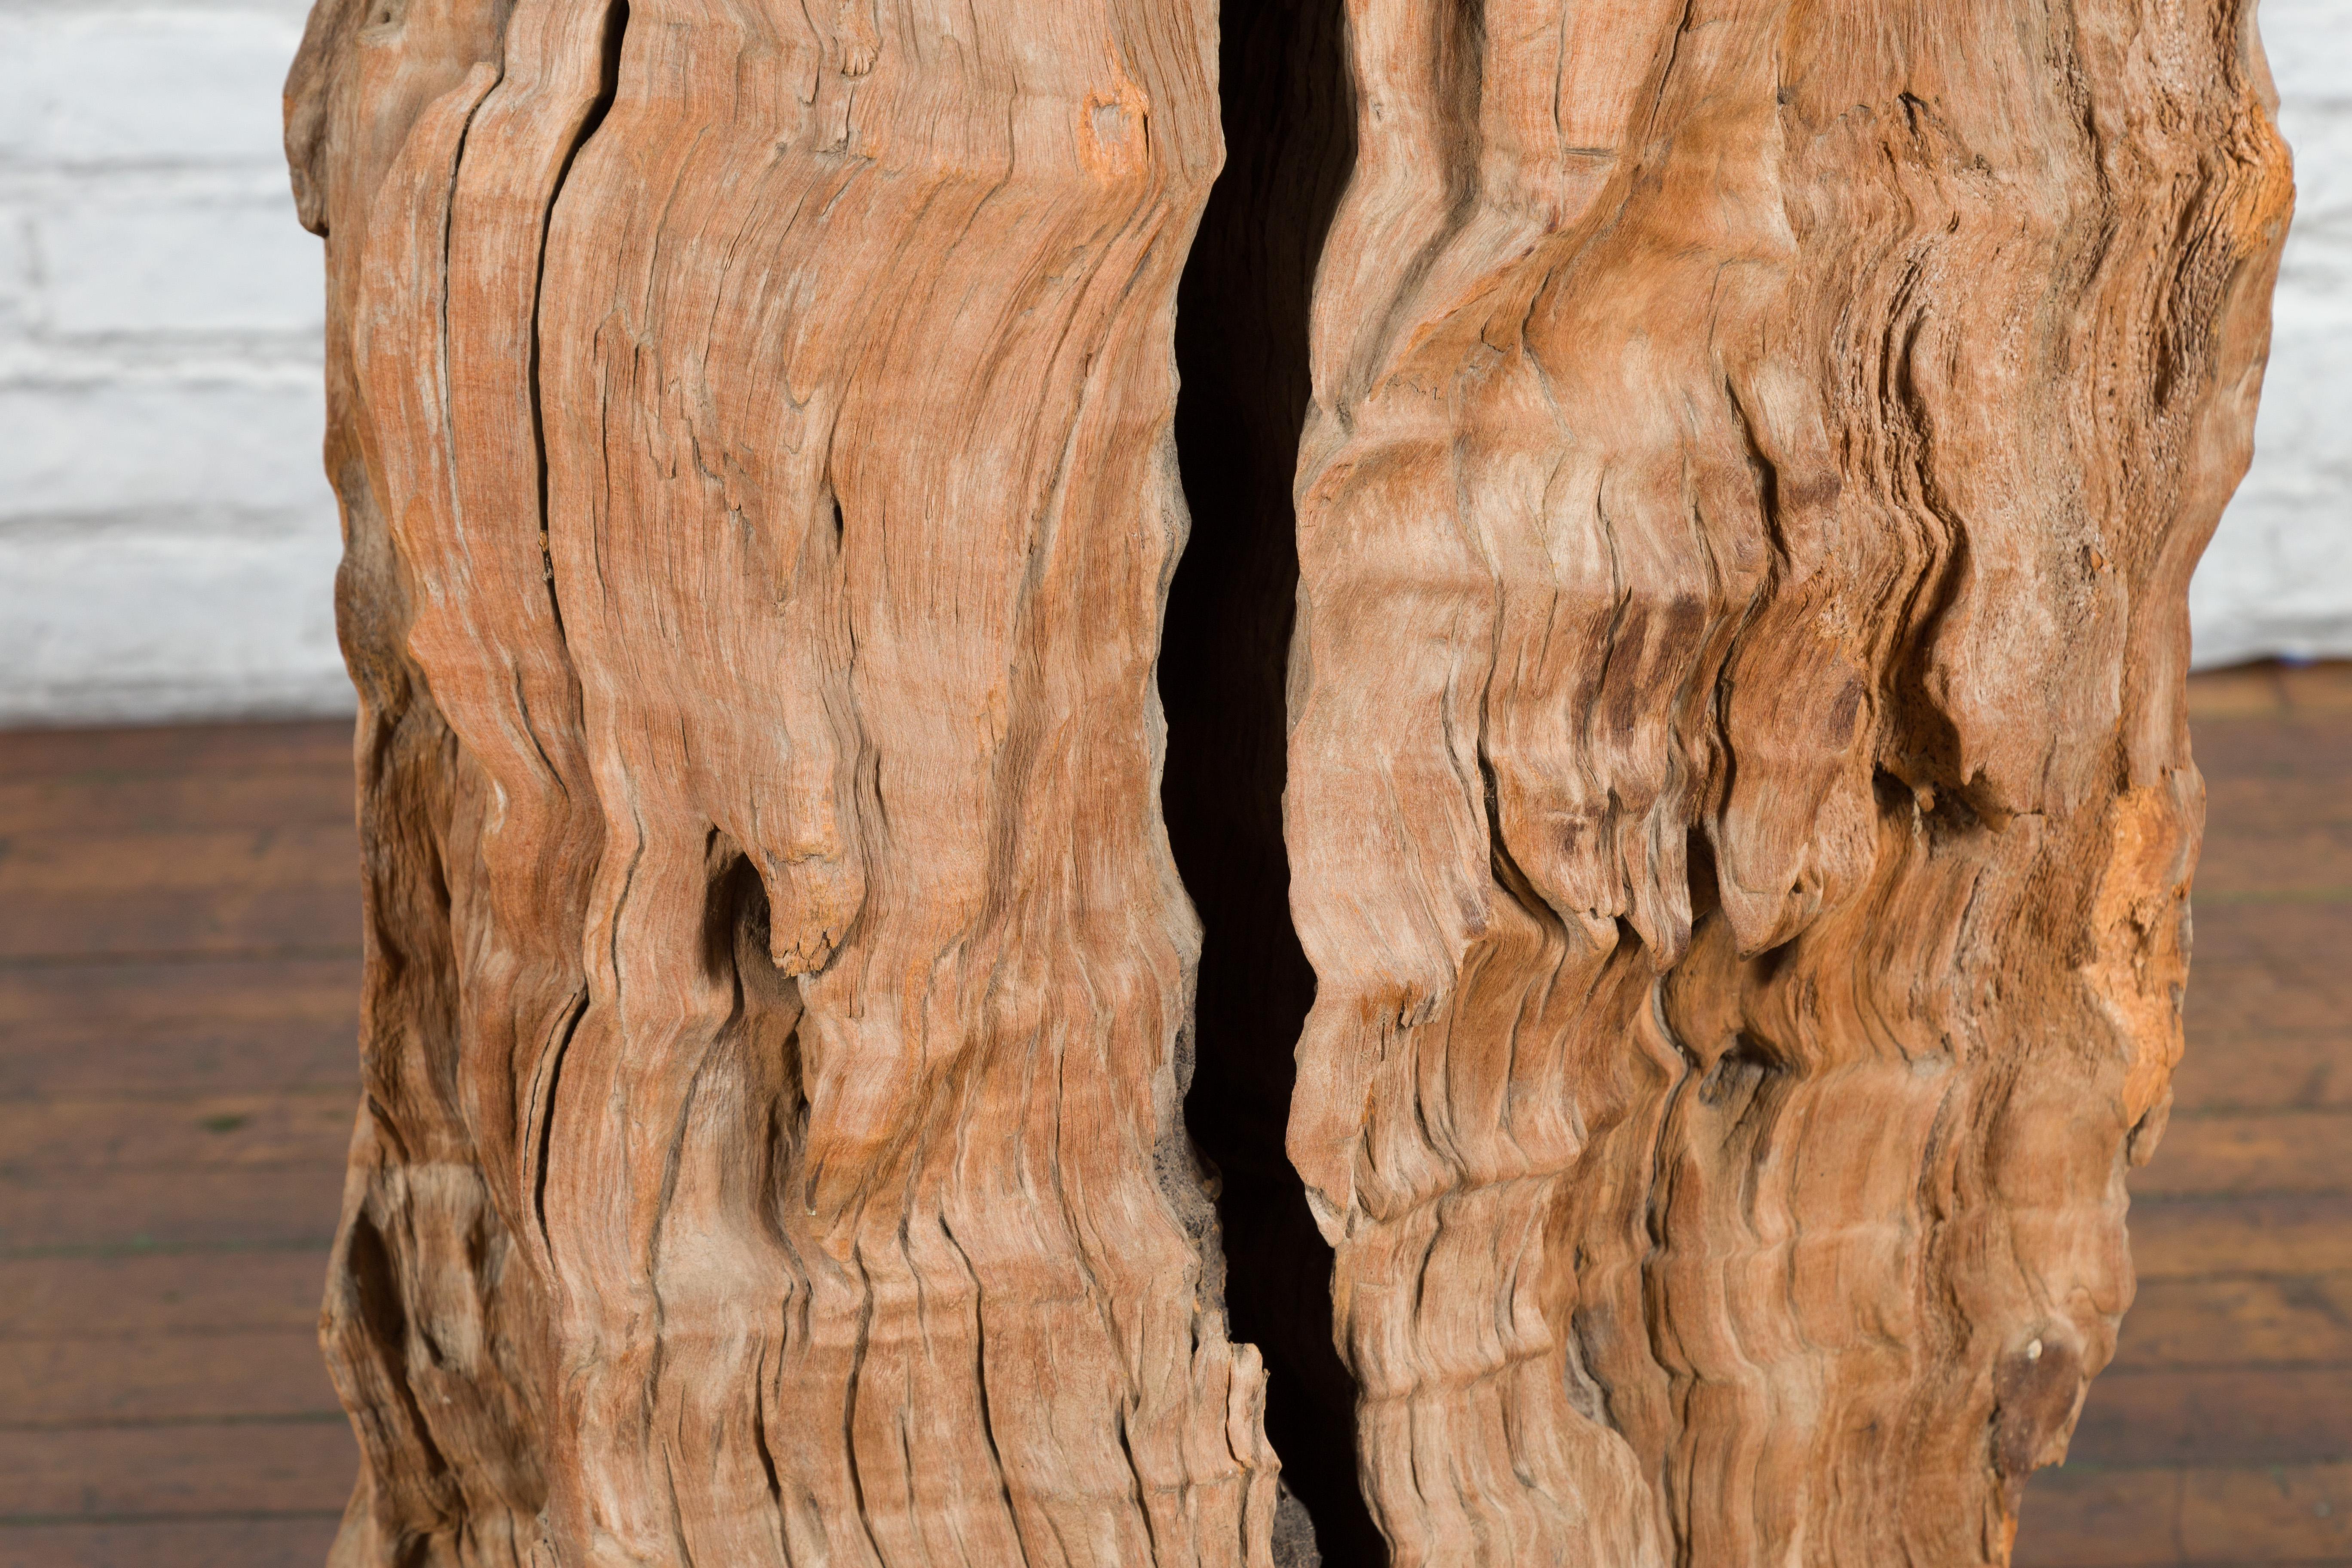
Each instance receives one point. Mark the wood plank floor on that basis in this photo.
(178, 979)
(179, 964)
(2222, 1434)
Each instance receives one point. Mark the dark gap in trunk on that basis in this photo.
(1242, 350)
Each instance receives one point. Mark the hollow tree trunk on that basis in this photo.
(1723, 480)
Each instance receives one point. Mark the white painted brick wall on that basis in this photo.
(2278, 576)
(167, 545)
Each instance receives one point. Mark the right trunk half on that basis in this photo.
(1740, 800)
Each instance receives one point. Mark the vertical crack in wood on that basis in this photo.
(1241, 352)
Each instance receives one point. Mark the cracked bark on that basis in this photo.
(1673, 713)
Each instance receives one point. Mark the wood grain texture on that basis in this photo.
(753, 432)
(1676, 729)
(1739, 805)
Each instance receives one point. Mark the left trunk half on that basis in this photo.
(752, 426)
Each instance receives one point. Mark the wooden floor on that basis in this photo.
(178, 969)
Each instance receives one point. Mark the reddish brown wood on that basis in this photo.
(752, 428)
(1675, 717)
(1740, 800)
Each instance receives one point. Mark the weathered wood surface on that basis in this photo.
(1676, 713)
(754, 441)
(1739, 797)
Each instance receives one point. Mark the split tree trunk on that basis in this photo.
(1674, 715)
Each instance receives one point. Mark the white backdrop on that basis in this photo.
(167, 544)
(2278, 576)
